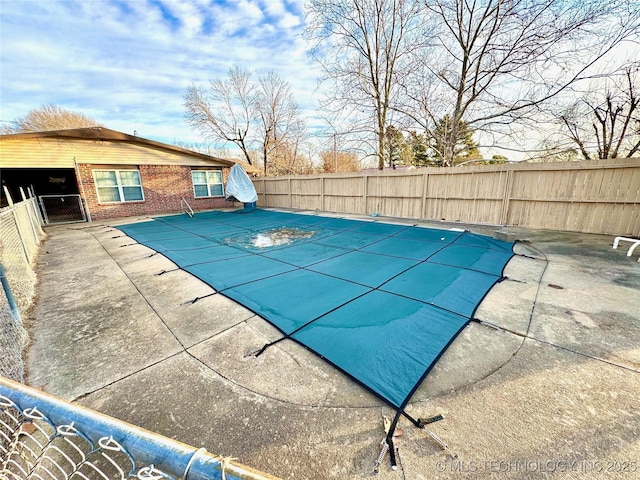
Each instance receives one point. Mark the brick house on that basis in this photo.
(109, 173)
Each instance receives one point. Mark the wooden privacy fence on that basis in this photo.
(596, 196)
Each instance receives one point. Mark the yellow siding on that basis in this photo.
(56, 153)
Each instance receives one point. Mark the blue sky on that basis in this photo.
(127, 64)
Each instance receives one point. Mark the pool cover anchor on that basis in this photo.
(390, 429)
(194, 300)
(260, 350)
(442, 444)
(384, 446)
(253, 353)
(383, 453)
(162, 272)
(422, 423)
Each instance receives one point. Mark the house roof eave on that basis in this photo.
(106, 134)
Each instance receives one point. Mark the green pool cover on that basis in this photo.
(380, 301)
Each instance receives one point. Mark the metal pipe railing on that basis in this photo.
(13, 306)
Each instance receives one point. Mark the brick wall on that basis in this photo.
(163, 187)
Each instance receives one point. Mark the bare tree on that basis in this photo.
(224, 111)
(496, 62)
(51, 117)
(288, 159)
(364, 48)
(333, 161)
(279, 118)
(250, 113)
(608, 121)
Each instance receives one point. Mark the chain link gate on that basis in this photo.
(62, 208)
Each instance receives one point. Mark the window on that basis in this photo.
(118, 185)
(207, 183)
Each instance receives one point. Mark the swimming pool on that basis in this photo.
(379, 301)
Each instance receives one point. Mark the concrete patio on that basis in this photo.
(548, 387)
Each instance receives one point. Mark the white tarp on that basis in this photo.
(239, 186)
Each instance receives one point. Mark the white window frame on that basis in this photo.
(208, 185)
(119, 185)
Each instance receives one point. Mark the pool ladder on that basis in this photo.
(186, 208)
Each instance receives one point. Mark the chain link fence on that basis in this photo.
(20, 235)
(45, 438)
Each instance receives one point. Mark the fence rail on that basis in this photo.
(598, 196)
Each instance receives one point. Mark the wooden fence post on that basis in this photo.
(423, 206)
(365, 186)
(506, 197)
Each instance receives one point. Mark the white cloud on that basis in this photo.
(288, 20)
(188, 17)
(128, 63)
(248, 10)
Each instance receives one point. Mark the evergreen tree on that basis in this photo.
(395, 146)
(465, 148)
(419, 149)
